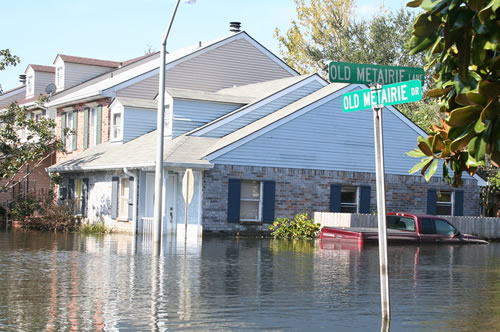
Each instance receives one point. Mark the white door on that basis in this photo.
(169, 222)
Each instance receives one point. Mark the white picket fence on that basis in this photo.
(484, 227)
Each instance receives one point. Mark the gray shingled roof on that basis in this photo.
(137, 102)
(209, 96)
(183, 151)
(263, 89)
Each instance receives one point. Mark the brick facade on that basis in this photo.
(308, 190)
(105, 124)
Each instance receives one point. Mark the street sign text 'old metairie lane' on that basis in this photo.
(365, 74)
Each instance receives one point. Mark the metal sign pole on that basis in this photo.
(382, 229)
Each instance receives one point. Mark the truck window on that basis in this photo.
(444, 228)
(427, 226)
(401, 223)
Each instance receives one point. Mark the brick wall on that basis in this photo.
(105, 125)
(306, 190)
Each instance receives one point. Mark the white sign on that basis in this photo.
(188, 186)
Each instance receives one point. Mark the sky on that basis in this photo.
(118, 30)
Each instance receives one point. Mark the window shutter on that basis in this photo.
(459, 203)
(233, 201)
(268, 201)
(431, 201)
(71, 188)
(114, 197)
(63, 125)
(85, 196)
(75, 128)
(130, 197)
(335, 197)
(364, 199)
(98, 125)
(85, 128)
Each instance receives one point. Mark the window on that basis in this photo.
(59, 76)
(250, 201)
(250, 206)
(29, 85)
(116, 126)
(444, 204)
(93, 127)
(124, 196)
(444, 228)
(69, 121)
(349, 199)
(401, 223)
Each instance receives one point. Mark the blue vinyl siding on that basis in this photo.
(191, 114)
(137, 122)
(326, 138)
(269, 108)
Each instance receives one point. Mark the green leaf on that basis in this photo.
(415, 153)
(479, 127)
(420, 164)
(464, 116)
(432, 170)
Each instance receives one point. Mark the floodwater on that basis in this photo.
(69, 282)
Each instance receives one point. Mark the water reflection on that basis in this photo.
(54, 282)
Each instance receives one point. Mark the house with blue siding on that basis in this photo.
(263, 142)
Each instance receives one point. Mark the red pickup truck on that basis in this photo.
(403, 228)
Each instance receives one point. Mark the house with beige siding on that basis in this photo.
(263, 142)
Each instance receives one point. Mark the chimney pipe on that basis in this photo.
(22, 79)
(234, 27)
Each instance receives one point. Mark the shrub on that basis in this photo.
(301, 227)
(43, 214)
(97, 228)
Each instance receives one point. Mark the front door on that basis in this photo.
(169, 221)
(150, 195)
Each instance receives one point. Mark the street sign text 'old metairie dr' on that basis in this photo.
(392, 94)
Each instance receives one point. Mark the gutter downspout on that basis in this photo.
(134, 210)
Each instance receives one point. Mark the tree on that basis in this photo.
(18, 150)
(460, 39)
(23, 141)
(325, 30)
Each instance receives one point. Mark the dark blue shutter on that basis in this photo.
(431, 201)
(335, 190)
(75, 129)
(71, 188)
(233, 201)
(459, 203)
(130, 197)
(364, 199)
(114, 197)
(268, 201)
(85, 196)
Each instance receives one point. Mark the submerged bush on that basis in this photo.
(97, 229)
(301, 227)
(43, 214)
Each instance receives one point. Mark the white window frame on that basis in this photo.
(69, 126)
(450, 204)
(260, 199)
(116, 129)
(92, 126)
(59, 76)
(30, 85)
(349, 204)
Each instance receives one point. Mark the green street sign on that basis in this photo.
(346, 72)
(392, 94)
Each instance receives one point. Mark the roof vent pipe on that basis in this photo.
(234, 27)
(22, 79)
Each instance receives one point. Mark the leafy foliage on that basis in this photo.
(43, 214)
(24, 141)
(460, 39)
(301, 227)
(8, 59)
(97, 228)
